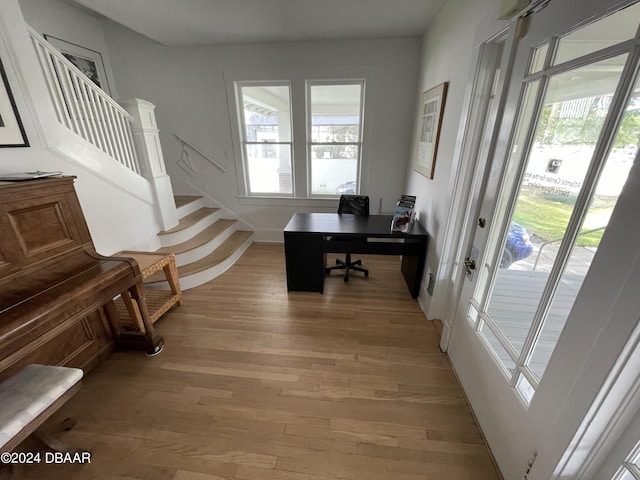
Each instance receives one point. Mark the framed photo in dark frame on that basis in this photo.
(12, 132)
(86, 60)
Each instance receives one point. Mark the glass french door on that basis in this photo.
(575, 140)
(568, 139)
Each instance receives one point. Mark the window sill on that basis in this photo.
(328, 202)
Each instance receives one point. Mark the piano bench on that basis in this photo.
(30, 397)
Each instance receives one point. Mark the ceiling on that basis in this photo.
(180, 23)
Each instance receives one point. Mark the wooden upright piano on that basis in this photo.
(56, 292)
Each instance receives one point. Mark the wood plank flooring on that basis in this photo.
(258, 384)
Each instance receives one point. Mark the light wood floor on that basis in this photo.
(258, 384)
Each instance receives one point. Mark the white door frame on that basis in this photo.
(613, 411)
(477, 145)
(562, 426)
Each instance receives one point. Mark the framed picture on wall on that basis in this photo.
(12, 132)
(431, 110)
(86, 60)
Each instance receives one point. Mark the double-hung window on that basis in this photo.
(335, 137)
(307, 147)
(266, 137)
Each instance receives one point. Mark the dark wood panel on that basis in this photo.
(37, 227)
(78, 343)
(4, 265)
(42, 228)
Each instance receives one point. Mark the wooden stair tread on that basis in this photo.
(200, 239)
(182, 200)
(191, 219)
(224, 251)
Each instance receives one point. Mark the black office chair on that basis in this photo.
(357, 205)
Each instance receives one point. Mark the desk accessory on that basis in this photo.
(404, 214)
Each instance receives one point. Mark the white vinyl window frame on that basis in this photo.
(297, 77)
(629, 468)
(245, 143)
(310, 143)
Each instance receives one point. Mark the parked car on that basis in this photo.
(518, 246)
(348, 188)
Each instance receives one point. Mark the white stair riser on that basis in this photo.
(196, 254)
(190, 207)
(169, 239)
(196, 279)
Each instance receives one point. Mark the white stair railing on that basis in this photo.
(185, 144)
(84, 108)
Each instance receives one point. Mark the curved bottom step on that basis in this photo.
(208, 267)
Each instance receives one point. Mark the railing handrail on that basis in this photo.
(544, 244)
(200, 152)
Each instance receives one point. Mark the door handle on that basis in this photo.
(469, 266)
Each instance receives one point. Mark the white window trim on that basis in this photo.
(243, 142)
(297, 77)
(309, 137)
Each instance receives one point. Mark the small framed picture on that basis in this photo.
(86, 60)
(431, 110)
(12, 132)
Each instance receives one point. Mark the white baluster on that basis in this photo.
(85, 109)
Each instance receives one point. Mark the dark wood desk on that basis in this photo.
(308, 237)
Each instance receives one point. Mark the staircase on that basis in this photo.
(123, 141)
(205, 245)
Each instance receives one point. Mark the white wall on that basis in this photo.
(447, 56)
(116, 219)
(188, 87)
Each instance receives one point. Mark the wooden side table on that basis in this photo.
(158, 301)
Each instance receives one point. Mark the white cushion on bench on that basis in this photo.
(29, 392)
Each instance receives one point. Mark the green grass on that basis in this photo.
(548, 219)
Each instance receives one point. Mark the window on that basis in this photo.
(284, 157)
(266, 138)
(335, 137)
(630, 469)
(571, 152)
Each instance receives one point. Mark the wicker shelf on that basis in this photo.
(158, 302)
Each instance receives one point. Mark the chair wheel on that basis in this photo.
(366, 274)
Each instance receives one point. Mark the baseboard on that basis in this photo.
(268, 235)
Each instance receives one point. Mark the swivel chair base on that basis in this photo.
(347, 265)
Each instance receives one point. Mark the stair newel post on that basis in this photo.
(149, 153)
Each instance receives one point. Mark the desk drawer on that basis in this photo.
(361, 246)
